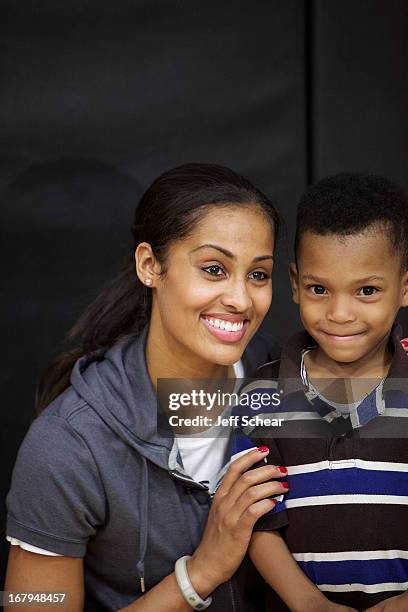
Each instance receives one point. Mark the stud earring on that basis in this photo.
(148, 281)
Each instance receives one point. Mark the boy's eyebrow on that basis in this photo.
(228, 253)
(367, 279)
(371, 278)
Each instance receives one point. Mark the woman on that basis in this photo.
(101, 506)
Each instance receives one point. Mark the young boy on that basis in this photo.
(339, 539)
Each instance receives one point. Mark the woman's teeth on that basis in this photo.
(227, 325)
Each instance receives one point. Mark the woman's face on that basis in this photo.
(217, 288)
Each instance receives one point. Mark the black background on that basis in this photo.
(98, 98)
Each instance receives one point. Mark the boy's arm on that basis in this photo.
(399, 603)
(274, 562)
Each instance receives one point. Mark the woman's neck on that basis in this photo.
(166, 359)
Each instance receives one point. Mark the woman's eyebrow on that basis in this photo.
(310, 277)
(228, 253)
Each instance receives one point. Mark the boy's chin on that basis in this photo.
(345, 359)
(344, 356)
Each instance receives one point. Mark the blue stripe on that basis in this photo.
(368, 409)
(363, 572)
(351, 481)
(240, 442)
(321, 407)
(396, 399)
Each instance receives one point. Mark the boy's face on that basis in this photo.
(349, 290)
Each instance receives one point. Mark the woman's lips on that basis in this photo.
(232, 328)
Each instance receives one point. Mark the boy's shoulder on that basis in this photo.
(261, 349)
(268, 370)
(288, 364)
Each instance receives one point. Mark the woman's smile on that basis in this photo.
(227, 328)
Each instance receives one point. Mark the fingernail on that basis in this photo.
(282, 469)
(285, 484)
(263, 449)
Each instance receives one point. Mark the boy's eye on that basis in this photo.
(318, 289)
(214, 270)
(367, 291)
(258, 275)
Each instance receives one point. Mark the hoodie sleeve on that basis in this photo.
(56, 500)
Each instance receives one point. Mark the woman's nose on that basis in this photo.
(236, 296)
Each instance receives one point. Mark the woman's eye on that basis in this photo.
(258, 275)
(318, 289)
(214, 270)
(367, 291)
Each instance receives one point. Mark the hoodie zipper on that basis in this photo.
(233, 609)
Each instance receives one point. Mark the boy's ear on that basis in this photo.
(293, 275)
(404, 286)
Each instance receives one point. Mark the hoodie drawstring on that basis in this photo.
(144, 506)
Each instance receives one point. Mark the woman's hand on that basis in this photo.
(242, 498)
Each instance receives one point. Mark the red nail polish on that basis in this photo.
(263, 449)
(285, 484)
(282, 469)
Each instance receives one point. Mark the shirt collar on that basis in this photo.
(290, 380)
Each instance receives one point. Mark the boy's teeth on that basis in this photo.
(227, 325)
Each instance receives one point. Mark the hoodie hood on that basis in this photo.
(115, 383)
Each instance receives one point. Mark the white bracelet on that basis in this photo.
(187, 588)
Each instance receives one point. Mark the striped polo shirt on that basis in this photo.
(345, 516)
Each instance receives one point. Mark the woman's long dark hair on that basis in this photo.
(167, 212)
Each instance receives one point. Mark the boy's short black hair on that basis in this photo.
(347, 203)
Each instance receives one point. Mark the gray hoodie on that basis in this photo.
(94, 479)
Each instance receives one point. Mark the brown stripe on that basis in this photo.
(335, 528)
(300, 451)
(357, 600)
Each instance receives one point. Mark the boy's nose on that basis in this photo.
(340, 311)
(236, 296)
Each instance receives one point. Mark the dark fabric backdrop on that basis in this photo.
(98, 98)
